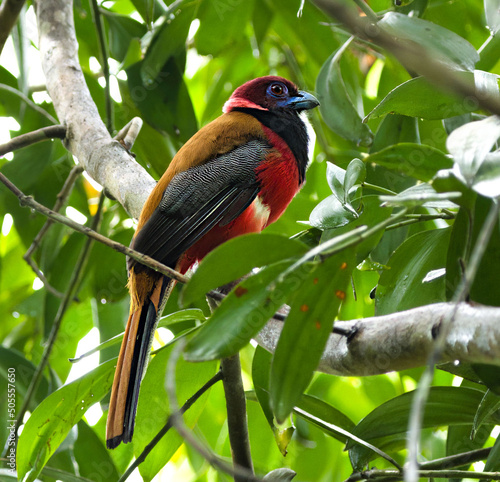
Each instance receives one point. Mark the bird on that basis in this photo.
(236, 175)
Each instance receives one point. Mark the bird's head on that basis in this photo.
(270, 93)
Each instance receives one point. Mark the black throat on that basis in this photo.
(289, 126)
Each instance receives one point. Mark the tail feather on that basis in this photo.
(131, 366)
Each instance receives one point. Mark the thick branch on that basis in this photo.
(406, 339)
(87, 137)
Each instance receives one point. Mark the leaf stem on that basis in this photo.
(418, 218)
(381, 189)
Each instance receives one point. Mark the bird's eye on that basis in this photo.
(278, 89)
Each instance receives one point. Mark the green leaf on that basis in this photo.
(442, 44)
(337, 210)
(52, 420)
(169, 40)
(24, 370)
(335, 177)
(487, 178)
(419, 98)
(489, 375)
(416, 160)
(332, 213)
(165, 103)
(466, 228)
(307, 328)
(471, 143)
(94, 461)
(153, 408)
(393, 129)
(149, 10)
(221, 16)
(409, 281)
(122, 30)
(280, 475)
(388, 423)
(226, 263)
(355, 174)
(447, 181)
(109, 284)
(336, 107)
(242, 314)
(262, 18)
(325, 412)
(493, 461)
(371, 215)
(261, 367)
(489, 404)
(492, 13)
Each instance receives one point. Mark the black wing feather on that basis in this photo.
(198, 199)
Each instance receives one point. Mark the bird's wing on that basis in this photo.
(196, 200)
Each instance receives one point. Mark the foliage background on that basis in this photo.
(175, 66)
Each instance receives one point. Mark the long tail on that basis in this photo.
(131, 365)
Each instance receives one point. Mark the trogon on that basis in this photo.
(236, 175)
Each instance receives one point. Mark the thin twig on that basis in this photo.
(421, 395)
(103, 48)
(65, 303)
(425, 474)
(60, 202)
(28, 201)
(168, 425)
(24, 140)
(186, 433)
(457, 460)
(330, 426)
(9, 12)
(29, 102)
(418, 218)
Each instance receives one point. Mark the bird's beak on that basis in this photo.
(302, 101)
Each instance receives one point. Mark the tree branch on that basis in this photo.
(236, 414)
(60, 202)
(87, 138)
(406, 339)
(24, 140)
(410, 54)
(9, 12)
(64, 305)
